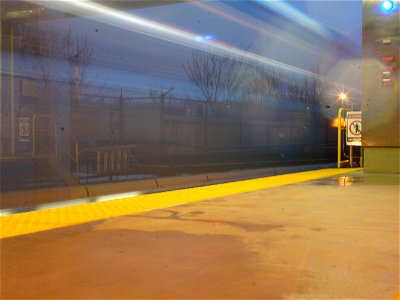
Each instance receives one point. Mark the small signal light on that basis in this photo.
(387, 6)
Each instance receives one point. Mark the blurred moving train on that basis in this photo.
(60, 126)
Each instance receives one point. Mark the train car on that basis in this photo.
(99, 92)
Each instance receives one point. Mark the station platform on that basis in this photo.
(325, 234)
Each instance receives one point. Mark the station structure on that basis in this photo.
(303, 233)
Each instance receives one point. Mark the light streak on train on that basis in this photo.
(161, 31)
(292, 41)
(285, 9)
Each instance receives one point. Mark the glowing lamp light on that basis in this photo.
(343, 96)
(387, 6)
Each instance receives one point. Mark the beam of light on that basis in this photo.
(293, 41)
(164, 32)
(290, 12)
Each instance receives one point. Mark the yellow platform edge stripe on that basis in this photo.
(41, 220)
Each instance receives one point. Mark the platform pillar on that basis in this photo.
(380, 104)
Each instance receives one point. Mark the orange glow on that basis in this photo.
(334, 122)
(344, 181)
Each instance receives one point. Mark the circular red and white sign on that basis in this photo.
(355, 127)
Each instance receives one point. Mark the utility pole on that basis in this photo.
(12, 96)
(206, 127)
(162, 106)
(121, 137)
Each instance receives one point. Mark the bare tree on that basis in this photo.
(79, 53)
(264, 83)
(58, 61)
(156, 92)
(42, 53)
(270, 84)
(54, 55)
(219, 78)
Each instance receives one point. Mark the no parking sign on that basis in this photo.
(23, 129)
(354, 129)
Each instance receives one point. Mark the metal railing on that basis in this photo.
(108, 161)
(47, 144)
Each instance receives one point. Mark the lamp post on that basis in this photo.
(344, 98)
(162, 106)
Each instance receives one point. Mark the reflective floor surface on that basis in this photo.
(330, 238)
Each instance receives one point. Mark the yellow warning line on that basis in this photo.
(40, 220)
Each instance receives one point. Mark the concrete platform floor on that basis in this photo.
(332, 238)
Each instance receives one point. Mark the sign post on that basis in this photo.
(353, 132)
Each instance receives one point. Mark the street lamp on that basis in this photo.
(344, 98)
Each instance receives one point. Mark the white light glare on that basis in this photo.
(129, 21)
(66, 203)
(387, 5)
(287, 10)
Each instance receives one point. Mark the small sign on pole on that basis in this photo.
(354, 129)
(24, 129)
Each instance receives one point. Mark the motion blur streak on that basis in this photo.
(295, 15)
(293, 41)
(157, 30)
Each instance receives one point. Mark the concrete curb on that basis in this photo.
(23, 199)
(101, 189)
(167, 182)
(33, 197)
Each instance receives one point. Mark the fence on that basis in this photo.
(196, 126)
(153, 128)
